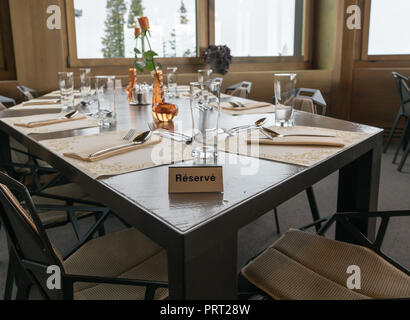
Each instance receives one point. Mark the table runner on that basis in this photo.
(162, 153)
(299, 155)
(87, 122)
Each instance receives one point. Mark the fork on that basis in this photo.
(129, 135)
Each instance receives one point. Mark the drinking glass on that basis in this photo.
(66, 84)
(204, 75)
(285, 94)
(205, 109)
(105, 89)
(85, 84)
(172, 81)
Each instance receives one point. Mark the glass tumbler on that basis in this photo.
(204, 75)
(172, 81)
(66, 84)
(285, 94)
(105, 89)
(85, 80)
(205, 109)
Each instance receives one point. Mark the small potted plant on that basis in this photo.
(219, 58)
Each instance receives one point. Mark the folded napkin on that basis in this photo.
(53, 119)
(299, 141)
(104, 143)
(184, 88)
(245, 106)
(42, 102)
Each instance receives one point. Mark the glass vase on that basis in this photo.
(132, 81)
(161, 110)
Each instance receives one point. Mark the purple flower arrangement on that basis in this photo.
(219, 58)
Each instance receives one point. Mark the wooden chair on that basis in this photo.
(27, 93)
(123, 265)
(242, 89)
(304, 266)
(402, 84)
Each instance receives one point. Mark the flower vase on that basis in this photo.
(132, 81)
(161, 110)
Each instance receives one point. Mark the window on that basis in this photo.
(101, 32)
(260, 28)
(389, 25)
(105, 28)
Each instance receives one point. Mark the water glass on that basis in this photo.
(205, 109)
(172, 81)
(204, 75)
(105, 89)
(85, 83)
(66, 84)
(285, 94)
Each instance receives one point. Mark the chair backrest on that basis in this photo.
(2, 107)
(240, 89)
(26, 235)
(403, 84)
(8, 102)
(309, 100)
(27, 93)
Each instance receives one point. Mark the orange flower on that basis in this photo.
(137, 32)
(144, 23)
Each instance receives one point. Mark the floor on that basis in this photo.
(394, 195)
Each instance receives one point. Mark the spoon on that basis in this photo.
(273, 134)
(175, 136)
(259, 123)
(68, 116)
(139, 140)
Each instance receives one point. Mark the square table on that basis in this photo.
(199, 231)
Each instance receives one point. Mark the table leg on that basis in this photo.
(5, 154)
(359, 191)
(212, 274)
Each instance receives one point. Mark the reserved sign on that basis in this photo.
(196, 179)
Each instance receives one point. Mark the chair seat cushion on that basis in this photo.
(309, 267)
(126, 254)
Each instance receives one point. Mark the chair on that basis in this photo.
(304, 266)
(7, 101)
(27, 93)
(315, 96)
(242, 89)
(307, 100)
(402, 84)
(123, 265)
(404, 158)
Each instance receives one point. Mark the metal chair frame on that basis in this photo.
(344, 221)
(24, 90)
(243, 84)
(30, 270)
(404, 112)
(317, 100)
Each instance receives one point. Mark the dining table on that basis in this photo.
(199, 231)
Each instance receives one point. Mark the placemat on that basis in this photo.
(303, 155)
(162, 153)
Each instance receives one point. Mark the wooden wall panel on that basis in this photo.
(375, 99)
(7, 63)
